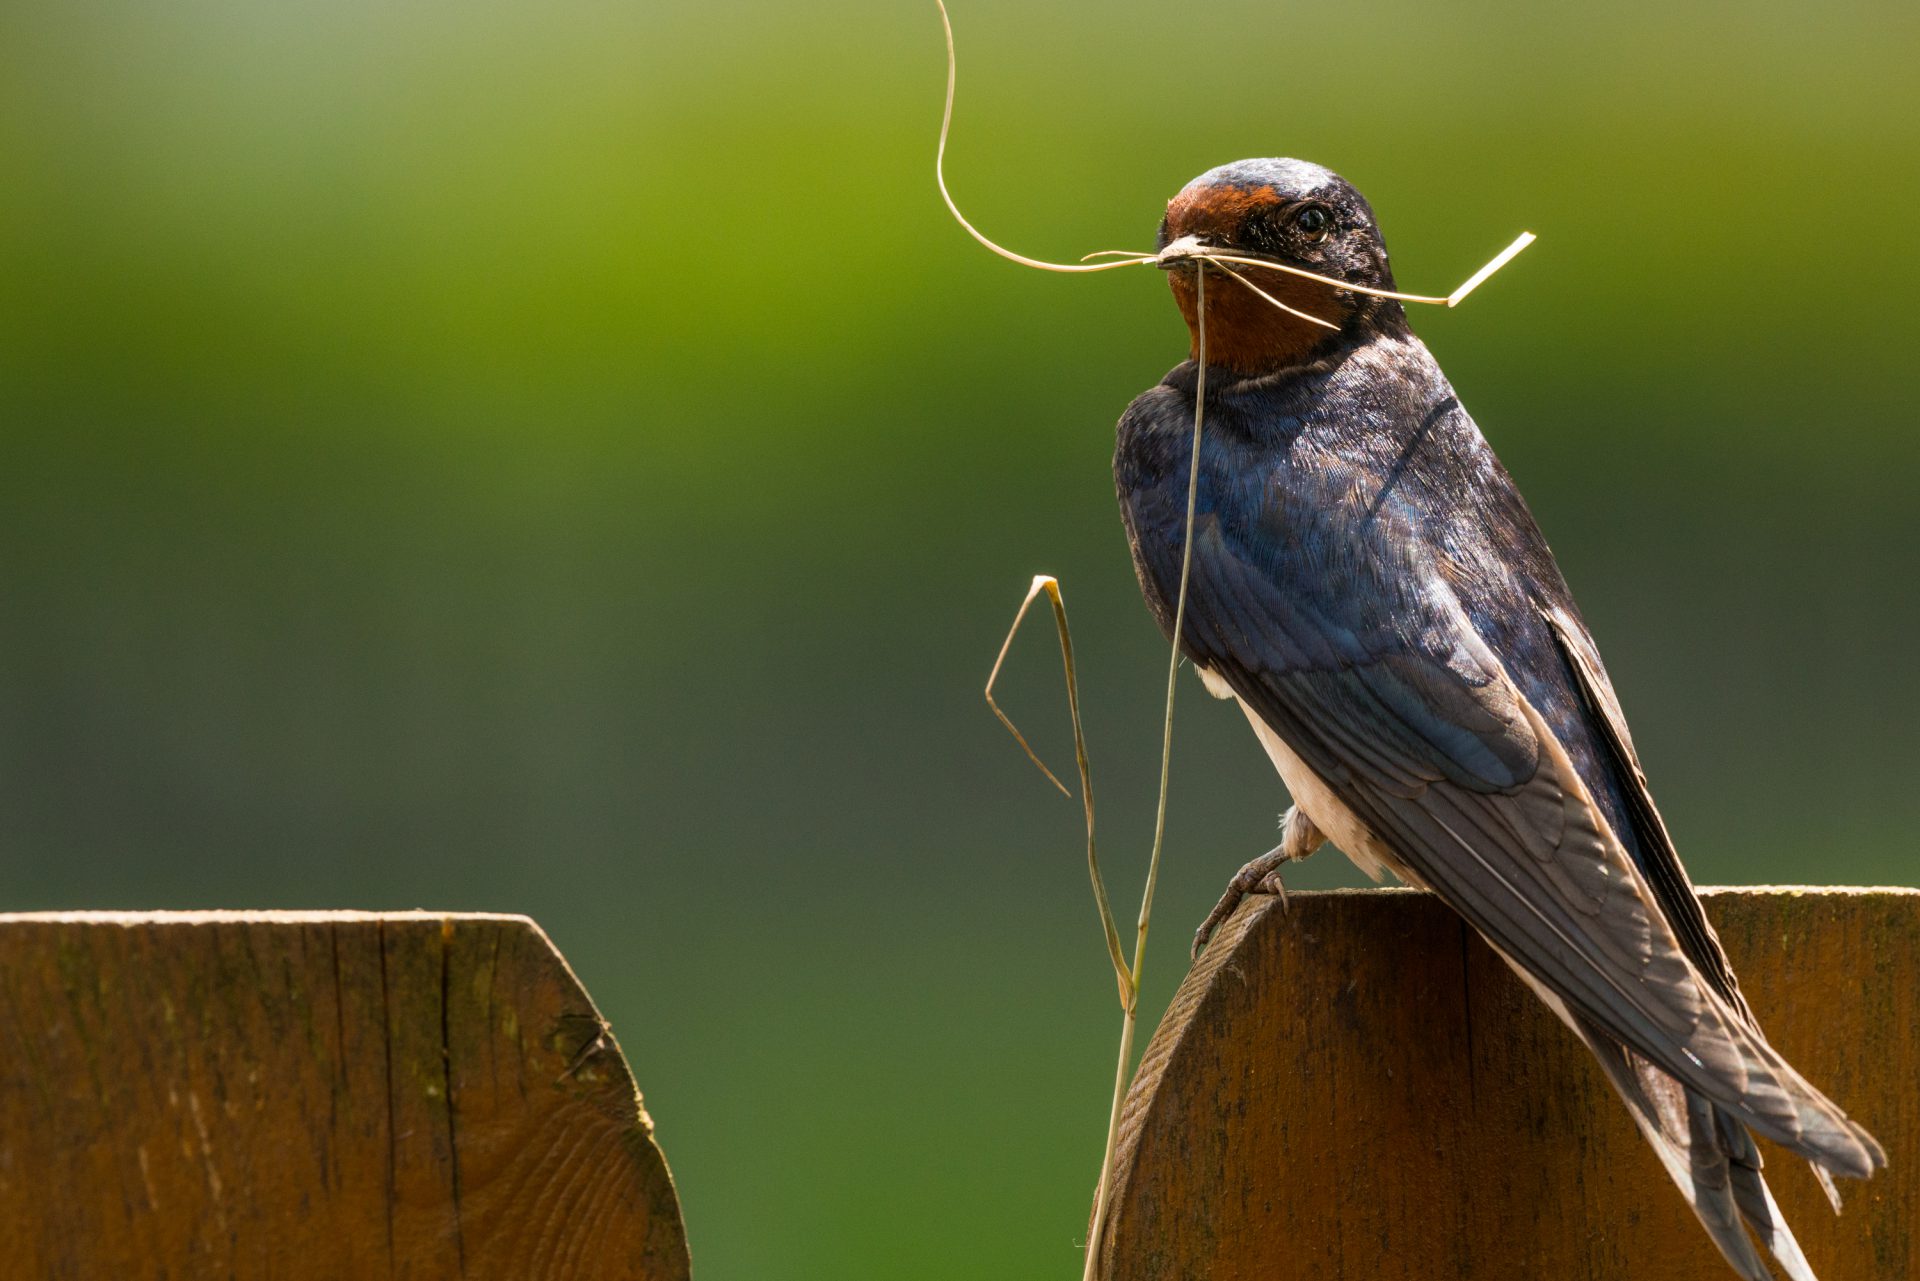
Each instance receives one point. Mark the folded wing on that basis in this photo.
(1360, 656)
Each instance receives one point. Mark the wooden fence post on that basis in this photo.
(1358, 1087)
(297, 1096)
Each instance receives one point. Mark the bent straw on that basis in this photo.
(1051, 586)
(940, 178)
(1178, 253)
(1126, 258)
(1500, 260)
(1291, 311)
(1126, 974)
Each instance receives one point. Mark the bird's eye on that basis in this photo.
(1313, 221)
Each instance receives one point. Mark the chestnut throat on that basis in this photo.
(1249, 335)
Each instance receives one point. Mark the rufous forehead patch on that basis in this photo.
(1216, 207)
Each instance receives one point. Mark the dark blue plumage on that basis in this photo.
(1360, 489)
(1369, 585)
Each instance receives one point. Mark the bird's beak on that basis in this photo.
(1179, 252)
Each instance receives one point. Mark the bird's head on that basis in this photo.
(1290, 214)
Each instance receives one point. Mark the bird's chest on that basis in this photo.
(1306, 514)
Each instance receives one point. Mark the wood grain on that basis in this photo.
(316, 1095)
(1358, 1087)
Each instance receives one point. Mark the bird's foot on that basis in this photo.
(1299, 838)
(1261, 876)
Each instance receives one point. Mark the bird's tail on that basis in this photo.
(1710, 1155)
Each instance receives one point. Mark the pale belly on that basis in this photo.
(1338, 823)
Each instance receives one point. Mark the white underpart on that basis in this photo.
(1315, 798)
(1344, 828)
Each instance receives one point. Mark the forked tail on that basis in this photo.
(1711, 1157)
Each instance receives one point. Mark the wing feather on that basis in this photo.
(1386, 691)
(1665, 874)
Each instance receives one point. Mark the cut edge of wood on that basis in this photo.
(621, 1090)
(1197, 989)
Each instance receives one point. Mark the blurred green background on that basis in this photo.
(561, 458)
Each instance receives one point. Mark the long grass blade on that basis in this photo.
(1189, 249)
(1130, 1018)
(1291, 311)
(1500, 260)
(940, 179)
(1123, 974)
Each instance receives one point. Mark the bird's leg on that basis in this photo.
(1298, 838)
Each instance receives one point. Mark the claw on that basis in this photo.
(1261, 876)
(1298, 838)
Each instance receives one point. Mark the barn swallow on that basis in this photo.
(1369, 586)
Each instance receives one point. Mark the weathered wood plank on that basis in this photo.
(316, 1095)
(1358, 1087)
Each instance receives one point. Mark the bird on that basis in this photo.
(1366, 582)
